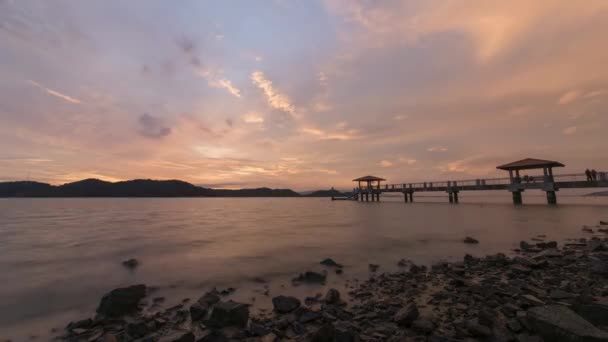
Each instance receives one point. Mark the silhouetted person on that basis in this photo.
(588, 174)
(593, 174)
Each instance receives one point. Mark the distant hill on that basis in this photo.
(327, 193)
(131, 188)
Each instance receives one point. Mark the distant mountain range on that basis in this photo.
(141, 188)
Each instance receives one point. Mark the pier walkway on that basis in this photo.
(515, 183)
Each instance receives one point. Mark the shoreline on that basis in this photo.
(496, 297)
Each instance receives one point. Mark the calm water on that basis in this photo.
(59, 256)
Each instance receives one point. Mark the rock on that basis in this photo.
(229, 313)
(423, 325)
(82, 324)
(558, 323)
(524, 246)
(469, 239)
(478, 330)
(311, 277)
(331, 333)
(599, 266)
(603, 223)
(122, 301)
(596, 313)
(514, 325)
(532, 300)
(558, 294)
(486, 317)
(138, 329)
(213, 336)
(587, 229)
(308, 316)
(330, 262)
(178, 336)
(373, 267)
(200, 309)
(332, 297)
(284, 304)
(130, 264)
(407, 315)
(109, 338)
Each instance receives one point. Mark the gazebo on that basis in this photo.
(530, 164)
(369, 188)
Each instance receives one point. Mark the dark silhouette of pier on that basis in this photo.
(516, 184)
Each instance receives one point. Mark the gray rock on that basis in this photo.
(407, 315)
(285, 304)
(229, 313)
(478, 330)
(558, 323)
(122, 301)
(524, 246)
(332, 297)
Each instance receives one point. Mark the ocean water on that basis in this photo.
(59, 256)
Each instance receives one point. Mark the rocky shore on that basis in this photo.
(543, 291)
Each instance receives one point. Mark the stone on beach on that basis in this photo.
(200, 309)
(285, 304)
(469, 239)
(332, 297)
(122, 301)
(330, 262)
(558, 323)
(131, 263)
(406, 315)
(311, 277)
(230, 313)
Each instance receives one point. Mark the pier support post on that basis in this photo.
(405, 197)
(367, 197)
(551, 197)
(455, 196)
(378, 197)
(517, 197)
(450, 197)
(412, 197)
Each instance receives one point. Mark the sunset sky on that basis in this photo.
(300, 94)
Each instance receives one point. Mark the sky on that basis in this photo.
(301, 94)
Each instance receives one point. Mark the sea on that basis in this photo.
(59, 256)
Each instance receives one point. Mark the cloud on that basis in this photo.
(407, 161)
(152, 127)
(437, 149)
(55, 93)
(275, 98)
(220, 83)
(569, 97)
(386, 163)
(570, 130)
(323, 135)
(253, 118)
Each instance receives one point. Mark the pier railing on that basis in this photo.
(484, 182)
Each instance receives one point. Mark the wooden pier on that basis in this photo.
(516, 184)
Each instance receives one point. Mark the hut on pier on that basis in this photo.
(516, 187)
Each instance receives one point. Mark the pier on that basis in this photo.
(516, 184)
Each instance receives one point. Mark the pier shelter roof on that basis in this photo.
(530, 163)
(368, 179)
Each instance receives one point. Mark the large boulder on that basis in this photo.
(122, 301)
(558, 323)
(229, 313)
(285, 304)
(596, 313)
